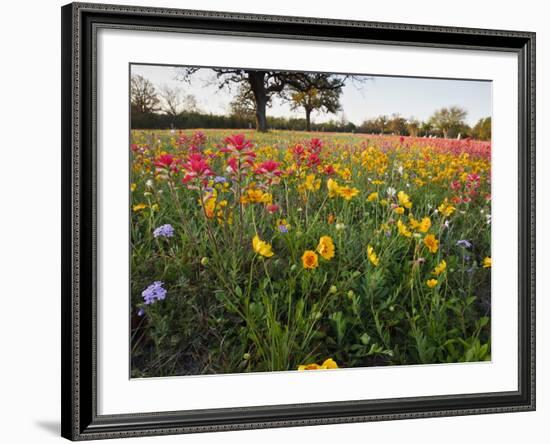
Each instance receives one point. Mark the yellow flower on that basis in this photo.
(209, 207)
(347, 192)
(431, 283)
(432, 243)
(333, 188)
(425, 225)
(326, 247)
(384, 202)
(403, 230)
(378, 182)
(487, 262)
(445, 209)
(328, 364)
(404, 199)
(345, 173)
(133, 187)
(155, 207)
(312, 184)
(252, 196)
(310, 259)
(372, 197)
(440, 268)
(261, 247)
(399, 210)
(414, 224)
(372, 256)
(139, 207)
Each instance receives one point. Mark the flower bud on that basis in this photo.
(205, 261)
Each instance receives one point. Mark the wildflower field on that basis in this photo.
(296, 251)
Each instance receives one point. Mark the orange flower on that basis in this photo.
(328, 364)
(310, 260)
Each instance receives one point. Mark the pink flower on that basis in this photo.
(272, 208)
(237, 144)
(456, 185)
(164, 161)
(196, 167)
(198, 139)
(269, 167)
(313, 160)
(315, 145)
(298, 152)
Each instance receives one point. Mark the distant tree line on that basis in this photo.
(190, 120)
(445, 122)
(167, 107)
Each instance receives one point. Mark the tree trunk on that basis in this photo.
(257, 84)
(308, 119)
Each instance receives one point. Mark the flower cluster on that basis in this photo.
(153, 293)
(165, 230)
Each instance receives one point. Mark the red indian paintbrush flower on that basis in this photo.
(238, 144)
(269, 167)
(315, 145)
(196, 167)
(164, 161)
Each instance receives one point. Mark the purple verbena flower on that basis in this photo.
(166, 230)
(140, 312)
(464, 243)
(220, 179)
(283, 229)
(154, 292)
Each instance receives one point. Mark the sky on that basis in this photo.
(408, 96)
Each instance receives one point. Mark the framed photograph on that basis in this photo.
(280, 221)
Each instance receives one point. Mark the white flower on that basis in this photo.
(149, 183)
(340, 226)
(391, 191)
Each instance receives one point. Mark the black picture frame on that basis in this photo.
(80, 420)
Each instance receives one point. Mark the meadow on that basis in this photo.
(307, 251)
